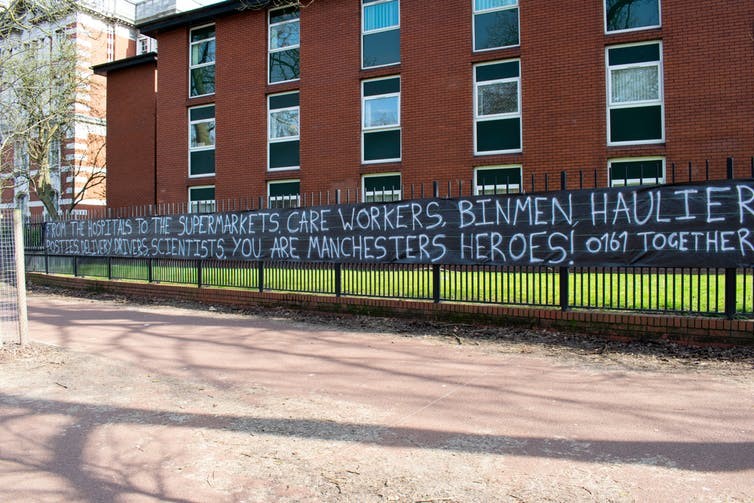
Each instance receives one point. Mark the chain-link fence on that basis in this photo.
(9, 294)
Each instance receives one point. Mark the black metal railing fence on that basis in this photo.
(698, 290)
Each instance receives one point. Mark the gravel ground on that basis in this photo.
(281, 405)
(650, 355)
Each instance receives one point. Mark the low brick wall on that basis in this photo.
(688, 330)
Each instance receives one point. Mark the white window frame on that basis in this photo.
(145, 45)
(474, 13)
(271, 140)
(379, 30)
(201, 65)
(374, 129)
(499, 189)
(635, 104)
(270, 50)
(398, 192)
(297, 198)
(21, 163)
(628, 30)
(54, 161)
(510, 115)
(200, 149)
(632, 182)
(194, 204)
(110, 31)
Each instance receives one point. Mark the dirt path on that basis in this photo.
(158, 403)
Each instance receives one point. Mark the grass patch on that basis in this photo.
(641, 289)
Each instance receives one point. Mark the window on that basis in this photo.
(145, 45)
(381, 120)
(53, 159)
(623, 15)
(284, 194)
(22, 203)
(202, 141)
(380, 33)
(53, 154)
(497, 180)
(495, 24)
(283, 131)
(202, 199)
(20, 158)
(381, 188)
(497, 98)
(636, 171)
(284, 43)
(110, 42)
(202, 67)
(635, 94)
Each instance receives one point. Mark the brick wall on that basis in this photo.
(131, 113)
(686, 330)
(172, 117)
(708, 85)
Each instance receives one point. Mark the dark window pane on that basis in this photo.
(285, 189)
(284, 35)
(200, 113)
(202, 194)
(387, 182)
(634, 54)
(277, 16)
(636, 124)
(383, 48)
(627, 14)
(203, 80)
(203, 52)
(202, 33)
(503, 134)
(384, 86)
(284, 65)
(203, 162)
(507, 70)
(636, 170)
(496, 29)
(284, 101)
(382, 145)
(502, 176)
(284, 154)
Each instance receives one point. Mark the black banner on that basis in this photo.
(694, 225)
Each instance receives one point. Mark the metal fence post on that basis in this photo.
(44, 247)
(563, 271)
(730, 293)
(260, 275)
(436, 283)
(338, 279)
(75, 265)
(729, 170)
(730, 272)
(199, 273)
(150, 271)
(109, 268)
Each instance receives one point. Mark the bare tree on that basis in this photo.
(88, 174)
(40, 84)
(264, 4)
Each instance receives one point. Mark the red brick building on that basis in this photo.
(381, 95)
